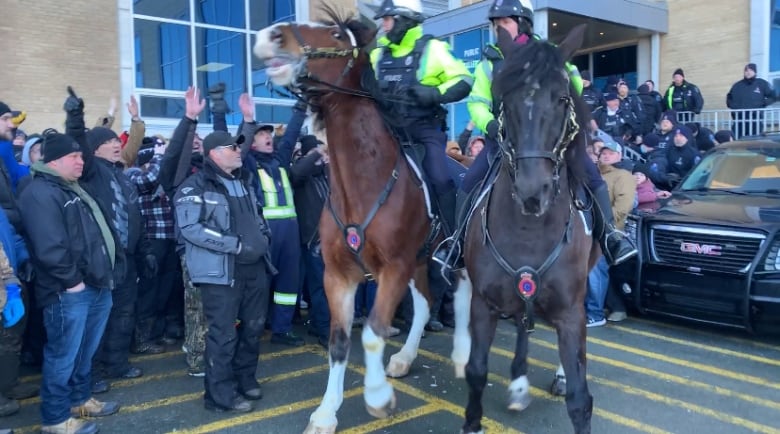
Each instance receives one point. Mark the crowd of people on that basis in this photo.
(115, 244)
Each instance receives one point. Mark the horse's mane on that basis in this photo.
(539, 63)
(335, 15)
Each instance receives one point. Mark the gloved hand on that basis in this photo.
(14, 307)
(150, 266)
(492, 129)
(73, 104)
(247, 254)
(301, 105)
(425, 95)
(26, 271)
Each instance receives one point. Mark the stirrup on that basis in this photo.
(449, 261)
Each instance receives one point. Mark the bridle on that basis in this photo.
(569, 130)
(309, 53)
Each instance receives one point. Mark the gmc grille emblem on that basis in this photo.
(701, 249)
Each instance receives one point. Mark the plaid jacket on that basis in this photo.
(156, 209)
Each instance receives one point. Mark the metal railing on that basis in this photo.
(743, 123)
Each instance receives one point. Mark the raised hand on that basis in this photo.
(73, 104)
(247, 107)
(132, 108)
(193, 103)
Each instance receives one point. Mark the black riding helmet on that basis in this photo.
(407, 15)
(411, 9)
(512, 8)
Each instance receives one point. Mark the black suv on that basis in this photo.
(710, 252)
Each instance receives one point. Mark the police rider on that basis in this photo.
(412, 64)
(516, 17)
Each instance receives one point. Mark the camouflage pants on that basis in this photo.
(195, 326)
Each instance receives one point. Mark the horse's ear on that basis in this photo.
(364, 35)
(504, 41)
(572, 42)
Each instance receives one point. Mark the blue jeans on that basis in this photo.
(318, 307)
(74, 327)
(598, 284)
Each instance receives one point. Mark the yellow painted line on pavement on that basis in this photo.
(652, 396)
(440, 404)
(261, 415)
(690, 344)
(719, 371)
(182, 372)
(543, 394)
(404, 416)
(744, 341)
(659, 375)
(178, 399)
(134, 359)
(488, 424)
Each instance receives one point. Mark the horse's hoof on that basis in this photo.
(460, 370)
(558, 387)
(313, 429)
(382, 412)
(397, 367)
(519, 401)
(482, 431)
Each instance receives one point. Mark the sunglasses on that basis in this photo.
(232, 146)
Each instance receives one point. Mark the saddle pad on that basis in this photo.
(418, 173)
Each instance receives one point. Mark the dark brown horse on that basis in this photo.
(526, 246)
(376, 219)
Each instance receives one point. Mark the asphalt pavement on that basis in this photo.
(647, 375)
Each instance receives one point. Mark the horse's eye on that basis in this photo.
(336, 34)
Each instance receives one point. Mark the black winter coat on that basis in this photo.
(64, 239)
(310, 187)
(750, 94)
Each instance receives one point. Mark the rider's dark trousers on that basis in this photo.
(434, 163)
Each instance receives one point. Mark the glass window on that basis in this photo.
(618, 62)
(228, 13)
(162, 55)
(774, 38)
(221, 57)
(161, 107)
(266, 12)
(272, 114)
(172, 9)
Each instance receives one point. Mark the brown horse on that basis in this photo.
(526, 246)
(376, 219)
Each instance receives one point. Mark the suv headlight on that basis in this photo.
(772, 261)
(632, 226)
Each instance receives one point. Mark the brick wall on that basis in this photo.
(49, 44)
(709, 40)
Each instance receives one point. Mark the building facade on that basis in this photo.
(155, 49)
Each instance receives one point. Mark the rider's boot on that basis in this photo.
(615, 245)
(448, 254)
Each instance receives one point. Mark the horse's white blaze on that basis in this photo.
(401, 361)
(377, 392)
(461, 347)
(265, 49)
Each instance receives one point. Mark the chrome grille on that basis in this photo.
(702, 248)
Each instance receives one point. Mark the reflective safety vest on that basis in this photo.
(272, 210)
